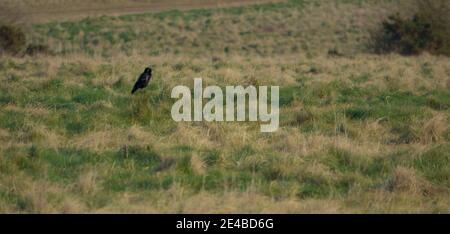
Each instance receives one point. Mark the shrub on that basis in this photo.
(427, 30)
(404, 36)
(12, 39)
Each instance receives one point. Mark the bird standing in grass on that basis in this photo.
(143, 80)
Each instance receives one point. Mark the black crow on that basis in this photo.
(143, 80)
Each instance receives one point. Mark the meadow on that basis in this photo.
(359, 132)
(39, 11)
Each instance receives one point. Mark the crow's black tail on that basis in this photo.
(134, 89)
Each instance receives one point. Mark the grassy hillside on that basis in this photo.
(358, 133)
(48, 10)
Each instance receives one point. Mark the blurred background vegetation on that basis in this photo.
(364, 98)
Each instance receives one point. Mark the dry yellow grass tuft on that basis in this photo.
(198, 165)
(358, 132)
(406, 180)
(434, 129)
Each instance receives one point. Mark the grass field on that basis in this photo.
(358, 133)
(62, 10)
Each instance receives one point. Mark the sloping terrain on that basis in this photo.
(358, 132)
(32, 11)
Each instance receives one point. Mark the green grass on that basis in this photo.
(358, 132)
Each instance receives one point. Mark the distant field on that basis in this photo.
(359, 132)
(49, 10)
